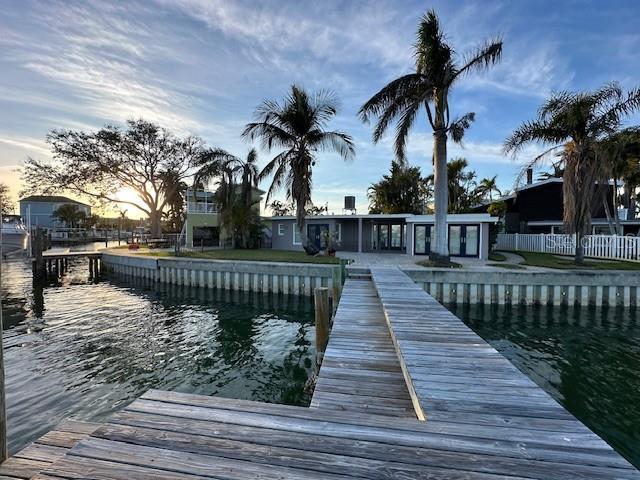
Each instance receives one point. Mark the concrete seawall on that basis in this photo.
(595, 288)
(267, 277)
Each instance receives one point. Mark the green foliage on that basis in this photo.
(143, 157)
(236, 182)
(497, 209)
(5, 200)
(575, 124)
(70, 214)
(403, 190)
(298, 126)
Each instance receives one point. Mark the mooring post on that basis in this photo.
(323, 316)
(336, 284)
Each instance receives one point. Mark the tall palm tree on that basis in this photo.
(297, 125)
(437, 71)
(575, 123)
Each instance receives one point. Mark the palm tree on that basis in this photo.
(70, 214)
(297, 125)
(576, 123)
(235, 200)
(437, 70)
(488, 186)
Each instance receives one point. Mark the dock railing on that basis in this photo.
(614, 247)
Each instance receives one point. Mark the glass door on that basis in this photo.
(464, 240)
(455, 240)
(383, 237)
(396, 236)
(423, 239)
(471, 240)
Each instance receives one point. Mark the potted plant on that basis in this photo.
(331, 242)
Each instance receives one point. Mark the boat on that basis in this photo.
(15, 235)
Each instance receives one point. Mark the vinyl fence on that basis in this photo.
(596, 246)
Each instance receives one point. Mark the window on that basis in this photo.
(280, 229)
(338, 232)
(296, 236)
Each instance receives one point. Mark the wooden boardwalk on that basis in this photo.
(48, 449)
(485, 419)
(360, 372)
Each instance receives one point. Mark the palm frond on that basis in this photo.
(460, 125)
(270, 135)
(532, 131)
(339, 142)
(481, 58)
(405, 122)
(611, 118)
(390, 93)
(431, 51)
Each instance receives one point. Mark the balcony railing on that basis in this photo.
(201, 207)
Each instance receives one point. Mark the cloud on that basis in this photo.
(32, 146)
(106, 61)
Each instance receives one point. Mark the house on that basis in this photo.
(202, 226)
(37, 210)
(537, 207)
(410, 234)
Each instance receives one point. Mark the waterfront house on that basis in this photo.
(202, 226)
(379, 233)
(37, 210)
(537, 207)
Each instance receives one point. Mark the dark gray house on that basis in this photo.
(380, 233)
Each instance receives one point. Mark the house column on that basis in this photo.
(360, 235)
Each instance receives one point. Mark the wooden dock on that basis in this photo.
(395, 355)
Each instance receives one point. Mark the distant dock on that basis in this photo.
(406, 390)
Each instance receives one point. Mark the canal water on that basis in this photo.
(588, 359)
(84, 349)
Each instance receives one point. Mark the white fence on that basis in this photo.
(596, 246)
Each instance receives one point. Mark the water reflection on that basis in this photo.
(586, 358)
(87, 349)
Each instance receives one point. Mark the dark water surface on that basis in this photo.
(84, 350)
(586, 358)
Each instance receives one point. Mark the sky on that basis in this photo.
(202, 66)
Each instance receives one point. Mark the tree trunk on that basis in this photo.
(156, 224)
(440, 248)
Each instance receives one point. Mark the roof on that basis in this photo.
(50, 199)
(408, 217)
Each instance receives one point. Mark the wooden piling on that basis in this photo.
(323, 317)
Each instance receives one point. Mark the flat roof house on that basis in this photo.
(38, 209)
(400, 233)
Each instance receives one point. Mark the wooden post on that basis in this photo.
(321, 300)
(4, 453)
(336, 280)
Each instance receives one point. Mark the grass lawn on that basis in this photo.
(259, 255)
(550, 260)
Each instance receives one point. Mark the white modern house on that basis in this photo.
(400, 233)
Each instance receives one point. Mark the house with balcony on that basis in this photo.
(202, 223)
(202, 226)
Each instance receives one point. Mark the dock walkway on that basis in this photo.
(484, 419)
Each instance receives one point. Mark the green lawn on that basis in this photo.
(260, 255)
(430, 264)
(550, 260)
